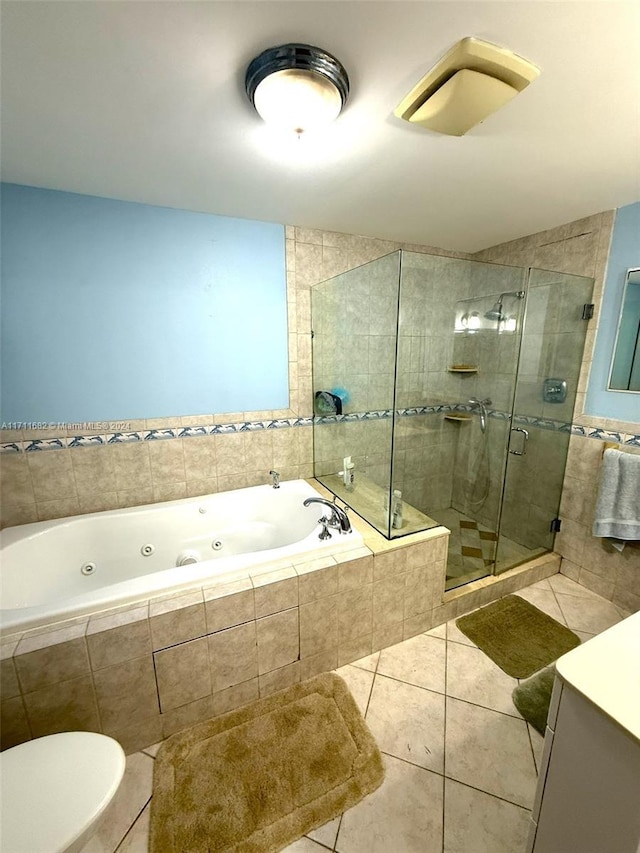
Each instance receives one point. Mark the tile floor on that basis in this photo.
(461, 764)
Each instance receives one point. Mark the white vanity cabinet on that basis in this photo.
(588, 797)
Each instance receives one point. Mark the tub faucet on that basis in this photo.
(275, 479)
(338, 520)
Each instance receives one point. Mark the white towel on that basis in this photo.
(617, 514)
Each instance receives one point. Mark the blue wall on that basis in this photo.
(118, 310)
(625, 253)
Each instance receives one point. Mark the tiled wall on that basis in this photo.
(147, 671)
(582, 248)
(45, 484)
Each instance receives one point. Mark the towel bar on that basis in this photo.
(610, 445)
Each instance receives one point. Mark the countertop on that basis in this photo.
(606, 671)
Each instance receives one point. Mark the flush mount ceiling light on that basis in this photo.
(297, 87)
(474, 79)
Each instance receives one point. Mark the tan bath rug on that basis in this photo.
(255, 780)
(517, 636)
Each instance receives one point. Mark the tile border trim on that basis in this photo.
(79, 441)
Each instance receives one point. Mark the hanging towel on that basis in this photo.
(617, 515)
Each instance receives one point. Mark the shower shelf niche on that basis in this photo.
(463, 368)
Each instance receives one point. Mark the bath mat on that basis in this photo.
(257, 779)
(533, 697)
(517, 636)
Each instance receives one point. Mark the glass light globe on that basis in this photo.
(297, 100)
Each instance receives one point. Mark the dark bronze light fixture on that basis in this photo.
(297, 87)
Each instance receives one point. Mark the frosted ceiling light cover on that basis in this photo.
(297, 87)
(297, 100)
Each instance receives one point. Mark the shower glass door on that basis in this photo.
(459, 329)
(551, 353)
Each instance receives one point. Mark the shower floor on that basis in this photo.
(472, 548)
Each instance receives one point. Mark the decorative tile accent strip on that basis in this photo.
(123, 437)
(189, 432)
(86, 440)
(10, 447)
(160, 434)
(77, 441)
(45, 444)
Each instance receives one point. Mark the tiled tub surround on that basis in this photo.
(142, 672)
(56, 570)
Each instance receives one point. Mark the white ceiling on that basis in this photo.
(144, 101)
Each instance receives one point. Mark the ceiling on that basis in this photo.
(144, 101)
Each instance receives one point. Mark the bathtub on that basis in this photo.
(56, 570)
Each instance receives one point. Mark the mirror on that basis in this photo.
(625, 367)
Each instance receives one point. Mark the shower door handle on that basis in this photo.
(525, 439)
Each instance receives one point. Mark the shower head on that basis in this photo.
(496, 313)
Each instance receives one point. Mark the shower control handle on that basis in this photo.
(525, 439)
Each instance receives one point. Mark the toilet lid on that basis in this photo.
(53, 788)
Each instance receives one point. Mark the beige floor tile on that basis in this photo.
(153, 749)
(564, 585)
(408, 722)
(133, 794)
(490, 751)
(421, 660)
(137, 839)
(544, 600)
(474, 677)
(476, 822)
(439, 631)
(359, 682)
(586, 614)
(455, 635)
(403, 816)
(543, 584)
(370, 662)
(327, 833)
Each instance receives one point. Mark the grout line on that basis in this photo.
(535, 763)
(457, 699)
(135, 820)
(335, 843)
(453, 779)
(489, 794)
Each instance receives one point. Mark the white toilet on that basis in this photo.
(55, 789)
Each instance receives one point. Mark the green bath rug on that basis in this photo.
(533, 697)
(517, 636)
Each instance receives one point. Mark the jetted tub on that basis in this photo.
(54, 570)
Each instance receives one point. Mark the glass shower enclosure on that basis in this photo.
(444, 391)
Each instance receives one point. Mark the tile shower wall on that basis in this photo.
(582, 248)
